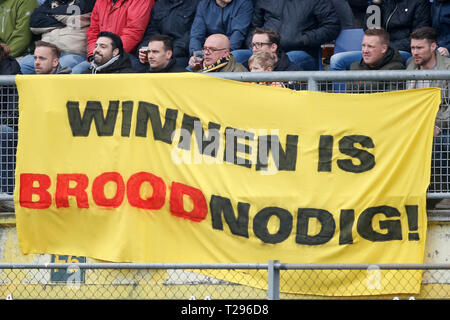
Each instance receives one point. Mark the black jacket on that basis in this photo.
(43, 16)
(345, 14)
(284, 64)
(302, 24)
(440, 16)
(121, 65)
(171, 67)
(392, 60)
(173, 18)
(9, 66)
(401, 17)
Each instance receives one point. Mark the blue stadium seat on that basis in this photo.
(349, 40)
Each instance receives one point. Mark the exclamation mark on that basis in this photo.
(412, 213)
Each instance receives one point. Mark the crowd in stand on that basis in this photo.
(131, 36)
(293, 31)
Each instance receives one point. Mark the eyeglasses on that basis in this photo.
(212, 49)
(258, 45)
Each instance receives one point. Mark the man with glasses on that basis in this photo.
(267, 40)
(302, 25)
(217, 56)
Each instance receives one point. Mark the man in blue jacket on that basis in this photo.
(229, 17)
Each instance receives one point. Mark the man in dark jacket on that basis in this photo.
(267, 40)
(304, 25)
(173, 18)
(440, 18)
(8, 65)
(160, 55)
(377, 54)
(109, 55)
(401, 17)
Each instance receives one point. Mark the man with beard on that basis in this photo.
(426, 57)
(109, 55)
(46, 59)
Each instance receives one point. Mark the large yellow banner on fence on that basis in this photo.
(192, 168)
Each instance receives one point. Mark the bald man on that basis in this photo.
(217, 56)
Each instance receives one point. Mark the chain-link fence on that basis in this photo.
(273, 280)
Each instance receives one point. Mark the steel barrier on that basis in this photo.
(326, 81)
(194, 281)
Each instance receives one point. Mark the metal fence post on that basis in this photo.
(312, 84)
(273, 288)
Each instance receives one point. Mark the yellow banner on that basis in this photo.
(191, 168)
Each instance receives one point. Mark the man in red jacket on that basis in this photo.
(126, 18)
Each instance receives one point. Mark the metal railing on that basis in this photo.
(273, 280)
(205, 281)
(326, 81)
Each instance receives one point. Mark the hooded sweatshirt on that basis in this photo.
(392, 60)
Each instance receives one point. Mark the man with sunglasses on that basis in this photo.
(217, 56)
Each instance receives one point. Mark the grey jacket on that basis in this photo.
(442, 63)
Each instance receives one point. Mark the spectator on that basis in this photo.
(160, 55)
(8, 128)
(399, 18)
(125, 18)
(173, 18)
(63, 23)
(303, 26)
(377, 54)
(217, 56)
(8, 65)
(8, 144)
(440, 18)
(268, 40)
(15, 31)
(425, 57)
(264, 61)
(109, 55)
(46, 59)
(229, 17)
